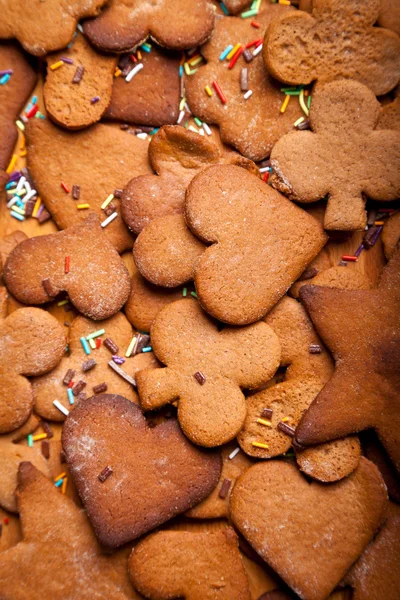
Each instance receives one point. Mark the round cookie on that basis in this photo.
(391, 235)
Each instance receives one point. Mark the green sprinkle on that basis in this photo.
(249, 13)
(198, 122)
(184, 292)
(308, 101)
(30, 440)
(96, 334)
(193, 294)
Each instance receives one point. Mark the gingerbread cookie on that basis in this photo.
(175, 24)
(205, 370)
(14, 92)
(249, 116)
(77, 93)
(7, 245)
(332, 154)
(261, 243)
(171, 475)
(43, 27)
(53, 526)
(140, 100)
(310, 533)
(389, 117)
(79, 375)
(337, 277)
(216, 506)
(166, 565)
(389, 15)
(301, 48)
(376, 453)
(391, 235)
(32, 342)
(76, 172)
(80, 261)
(363, 391)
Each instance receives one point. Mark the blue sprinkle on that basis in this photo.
(145, 48)
(70, 396)
(59, 483)
(4, 79)
(147, 349)
(226, 52)
(12, 184)
(19, 203)
(85, 345)
(181, 71)
(17, 216)
(223, 8)
(34, 100)
(154, 131)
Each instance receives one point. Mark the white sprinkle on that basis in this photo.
(186, 107)
(264, 169)
(109, 219)
(258, 50)
(233, 454)
(142, 136)
(248, 94)
(79, 26)
(60, 407)
(27, 186)
(132, 73)
(193, 128)
(30, 195)
(12, 201)
(201, 132)
(207, 129)
(20, 184)
(181, 115)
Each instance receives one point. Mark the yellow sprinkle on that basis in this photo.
(80, 206)
(62, 303)
(36, 207)
(258, 5)
(188, 70)
(285, 2)
(117, 72)
(39, 436)
(18, 210)
(64, 485)
(130, 347)
(22, 153)
(195, 61)
(285, 103)
(208, 90)
(12, 163)
(56, 65)
(61, 476)
(92, 344)
(302, 103)
(264, 422)
(260, 445)
(20, 125)
(298, 121)
(285, 419)
(23, 143)
(182, 103)
(379, 222)
(233, 51)
(107, 201)
(139, 55)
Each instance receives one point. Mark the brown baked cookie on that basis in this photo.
(389, 117)
(376, 573)
(254, 124)
(79, 260)
(159, 474)
(205, 370)
(175, 24)
(32, 342)
(376, 453)
(79, 375)
(57, 532)
(360, 327)
(43, 27)
(344, 156)
(391, 235)
(152, 97)
(7, 245)
(13, 95)
(389, 15)
(92, 164)
(77, 94)
(344, 278)
(216, 506)
(146, 300)
(204, 565)
(310, 533)
(261, 243)
(301, 48)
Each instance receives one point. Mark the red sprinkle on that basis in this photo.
(255, 24)
(98, 343)
(235, 58)
(65, 188)
(133, 58)
(32, 112)
(254, 43)
(349, 258)
(6, 520)
(220, 93)
(71, 384)
(265, 177)
(67, 263)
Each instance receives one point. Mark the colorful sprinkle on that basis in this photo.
(61, 408)
(260, 445)
(85, 345)
(109, 219)
(56, 65)
(225, 53)
(219, 92)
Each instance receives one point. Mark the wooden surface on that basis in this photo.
(370, 262)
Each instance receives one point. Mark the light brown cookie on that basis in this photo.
(7, 245)
(344, 278)
(79, 260)
(360, 327)
(43, 27)
(251, 124)
(13, 95)
(77, 94)
(159, 474)
(56, 532)
(77, 373)
(296, 50)
(261, 243)
(205, 370)
(175, 24)
(32, 342)
(204, 565)
(389, 117)
(391, 235)
(97, 162)
(234, 463)
(310, 533)
(376, 453)
(235, 6)
(152, 97)
(344, 156)
(389, 15)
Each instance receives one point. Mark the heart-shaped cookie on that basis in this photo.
(310, 533)
(131, 478)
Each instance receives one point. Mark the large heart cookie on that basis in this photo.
(310, 533)
(131, 477)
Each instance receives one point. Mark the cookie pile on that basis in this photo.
(199, 299)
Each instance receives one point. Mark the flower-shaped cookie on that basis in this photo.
(344, 156)
(337, 41)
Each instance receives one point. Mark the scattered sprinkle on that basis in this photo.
(234, 453)
(122, 373)
(224, 489)
(56, 65)
(287, 429)
(260, 445)
(61, 408)
(105, 474)
(200, 377)
(100, 388)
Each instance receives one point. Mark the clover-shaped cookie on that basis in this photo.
(175, 24)
(79, 260)
(166, 565)
(261, 243)
(344, 156)
(77, 104)
(92, 164)
(254, 124)
(205, 370)
(77, 369)
(32, 342)
(170, 474)
(301, 48)
(43, 27)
